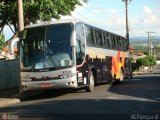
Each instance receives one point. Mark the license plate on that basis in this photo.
(46, 85)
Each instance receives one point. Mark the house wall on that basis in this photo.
(158, 61)
(9, 73)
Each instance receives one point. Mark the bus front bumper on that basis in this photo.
(51, 84)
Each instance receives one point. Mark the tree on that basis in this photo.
(2, 41)
(34, 10)
(152, 60)
(141, 62)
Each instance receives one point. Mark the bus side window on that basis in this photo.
(123, 41)
(118, 43)
(100, 38)
(113, 41)
(89, 34)
(105, 40)
(114, 44)
(96, 36)
(92, 36)
(108, 39)
(80, 48)
(122, 44)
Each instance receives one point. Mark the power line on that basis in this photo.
(92, 8)
(149, 27)
(98, 23)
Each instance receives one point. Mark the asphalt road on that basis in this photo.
(135, 99)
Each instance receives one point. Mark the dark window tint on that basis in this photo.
(108, 39)
(98, 36)
(113, 41)
(80, 48)
(105, 39)
(89, 34)
(46, 47)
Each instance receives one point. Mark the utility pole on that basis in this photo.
(20, 29)
(126, 11)
(20, 16)
(149, 42)
(127, 28)
(151, 45)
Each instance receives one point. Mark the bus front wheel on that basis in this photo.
(90, 87)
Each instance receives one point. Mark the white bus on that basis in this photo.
(71, 54)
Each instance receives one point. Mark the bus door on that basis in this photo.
(80, 55)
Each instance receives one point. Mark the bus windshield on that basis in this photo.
(46, 47)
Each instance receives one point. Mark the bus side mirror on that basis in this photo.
(12, 45)
(73, 39)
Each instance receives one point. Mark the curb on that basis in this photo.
(4, 102)
(145, 73)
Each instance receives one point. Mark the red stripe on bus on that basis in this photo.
(114, 65)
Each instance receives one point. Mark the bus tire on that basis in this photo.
(121, 76)
(91, 85)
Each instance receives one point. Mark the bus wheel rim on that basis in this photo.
(91, 80)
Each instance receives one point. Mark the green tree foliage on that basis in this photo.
(2, 41)
(139, 62)
(146, 61)
(152, 60)
(34, 10)
(145, 52)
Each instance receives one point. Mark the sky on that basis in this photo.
(143, 16)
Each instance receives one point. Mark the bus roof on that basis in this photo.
(60, 21)
(53, 22)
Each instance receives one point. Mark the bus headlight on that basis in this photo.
(64, 76)
(26, 79)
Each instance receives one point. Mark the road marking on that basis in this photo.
(133, 98)
(115, 98)
(142, 99)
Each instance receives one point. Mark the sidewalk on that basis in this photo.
(145, 73)
(8, 97)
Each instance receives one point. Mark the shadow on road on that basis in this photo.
(147, 87)
(37, 95)
(95, 109)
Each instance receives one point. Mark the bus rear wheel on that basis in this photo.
(120, 80)
(90, 87)
(121, 76)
